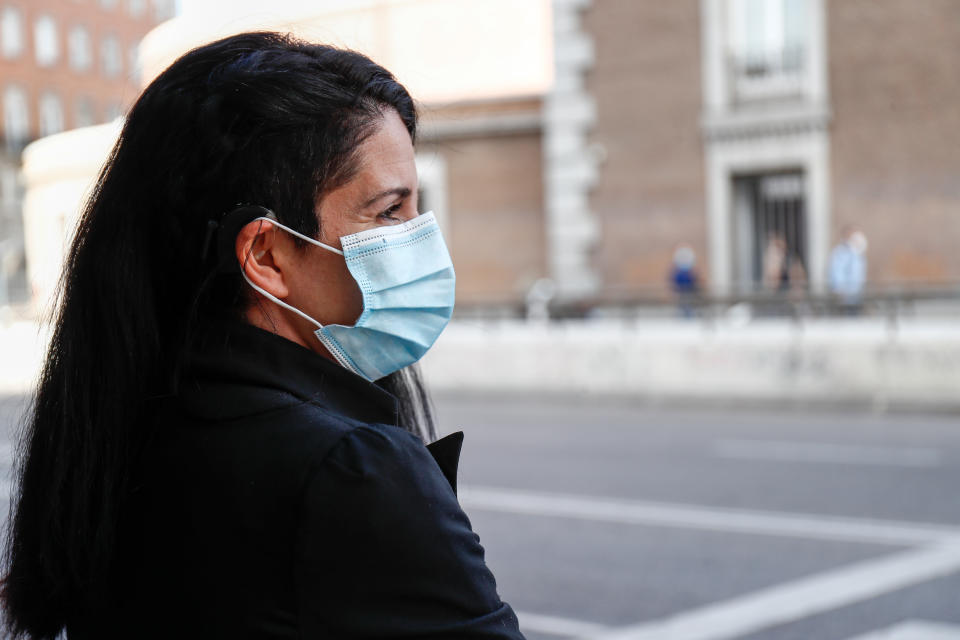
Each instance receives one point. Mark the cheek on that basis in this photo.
(337, 294)
(353, 300)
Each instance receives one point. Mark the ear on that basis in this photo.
(255, 246)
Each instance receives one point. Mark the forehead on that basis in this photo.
(386, 156)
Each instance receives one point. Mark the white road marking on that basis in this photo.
(914, 630)
(799, 599)
(703, 518)
(825, 453)
(555, 626)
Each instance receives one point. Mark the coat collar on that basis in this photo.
(271, 368)
(247, 370)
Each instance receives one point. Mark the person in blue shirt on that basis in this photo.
(848, 269)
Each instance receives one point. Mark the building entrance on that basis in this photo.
(771, 233)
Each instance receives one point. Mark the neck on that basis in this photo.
(265, 315)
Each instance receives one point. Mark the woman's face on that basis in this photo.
(382, 192)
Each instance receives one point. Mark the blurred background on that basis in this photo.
(706, 349)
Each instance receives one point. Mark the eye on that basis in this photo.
(389, 213)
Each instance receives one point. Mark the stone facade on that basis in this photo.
(570, 163)
(646, 84)
(895, 146)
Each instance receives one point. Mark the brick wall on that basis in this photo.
(646, 83)
(495, 199)
(103, 92)
(895, 136)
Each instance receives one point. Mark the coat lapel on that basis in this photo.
(446, 451)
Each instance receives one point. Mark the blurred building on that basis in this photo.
(480, 122)
(584, 140)
(63, 64)
(725, 124)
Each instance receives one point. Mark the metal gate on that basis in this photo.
(771, 236)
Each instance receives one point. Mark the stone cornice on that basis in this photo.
(769, 120)
(480, 126)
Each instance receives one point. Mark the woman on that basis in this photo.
(208, 454)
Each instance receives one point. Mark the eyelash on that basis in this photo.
(389, 212)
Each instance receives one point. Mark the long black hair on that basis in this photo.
(258, 118)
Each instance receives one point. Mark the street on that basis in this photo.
(605, 519)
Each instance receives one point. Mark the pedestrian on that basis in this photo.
(683, 278)
(776, 264)
(783, 276)
(227, 440)
(848, 270)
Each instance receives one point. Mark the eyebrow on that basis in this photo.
(396, 191)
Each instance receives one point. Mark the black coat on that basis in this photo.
(279, 500)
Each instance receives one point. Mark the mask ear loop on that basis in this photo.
(267, 294)
(301, 236)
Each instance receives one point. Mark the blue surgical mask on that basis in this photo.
(406, 277)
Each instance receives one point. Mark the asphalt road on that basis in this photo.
(604, 519)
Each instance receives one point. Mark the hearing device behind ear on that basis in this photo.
(229, 227)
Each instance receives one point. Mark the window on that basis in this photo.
(45, 41)
(51, 114)
(136, 8)
(768, 44)
(84, 113)
(11, 32)
(78, 43)
(110, 56)
(16, 117)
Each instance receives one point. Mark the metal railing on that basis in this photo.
(892, 302)
(773, 74)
